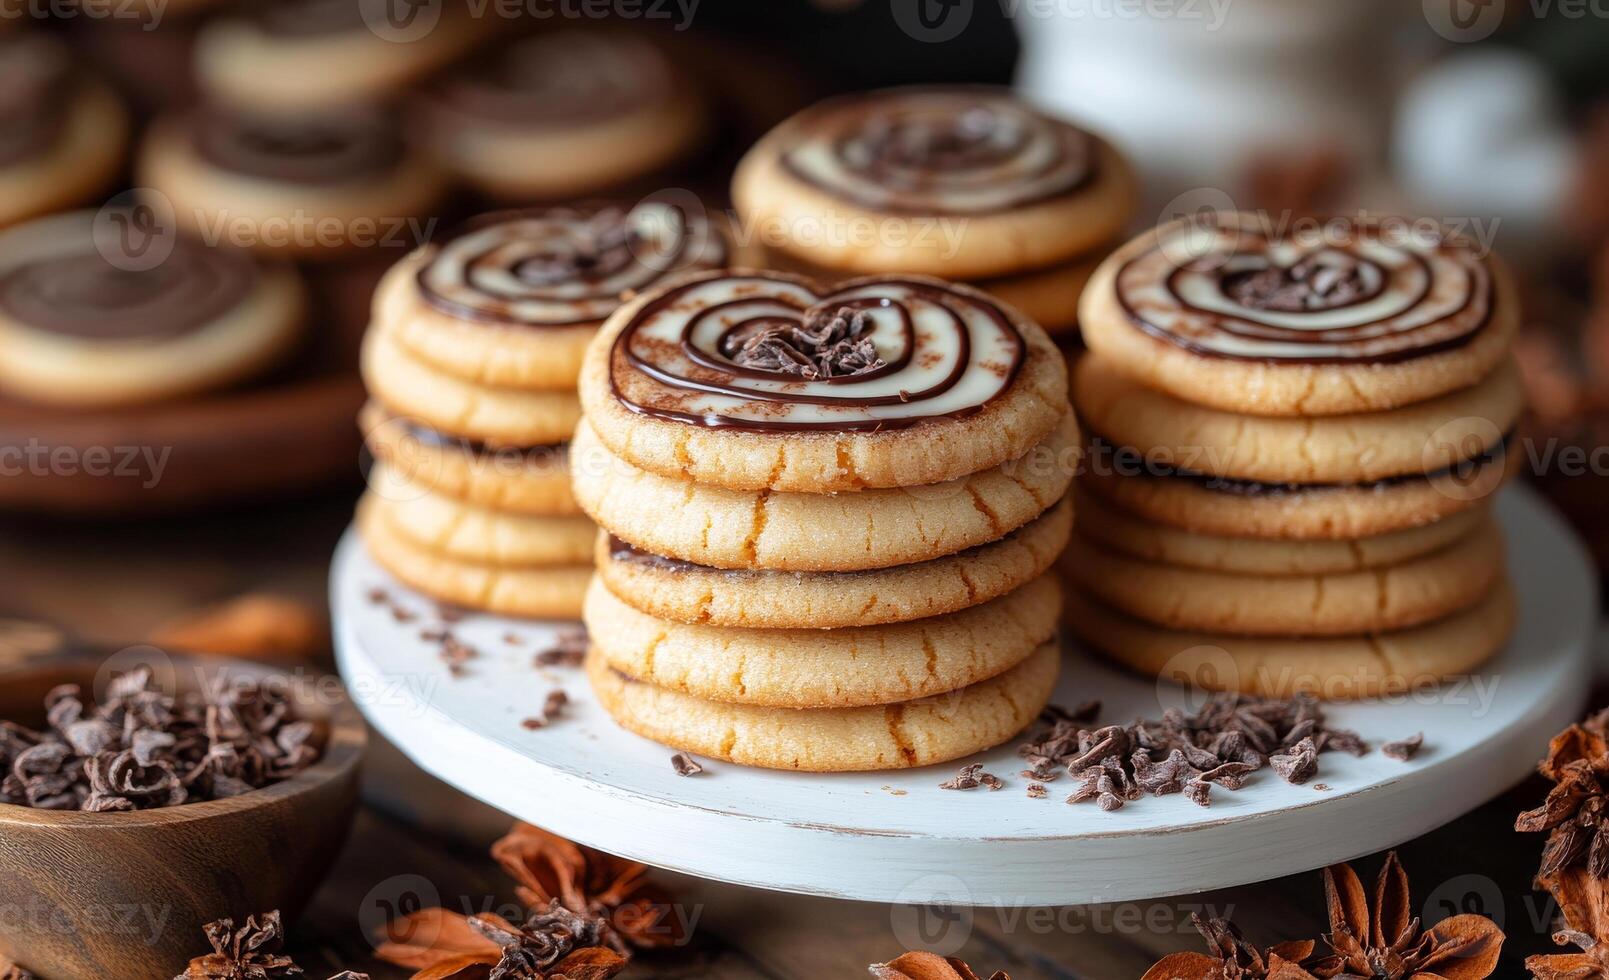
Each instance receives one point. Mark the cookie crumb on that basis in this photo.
(1036, 791)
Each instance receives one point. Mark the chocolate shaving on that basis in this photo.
(828, 344)
(1037, 791)
(552, 707)
(1404, 749)
(1309, 285)
(141, 749)
(569, 649)
(685, 765)
(971, 777)
(1231, 737)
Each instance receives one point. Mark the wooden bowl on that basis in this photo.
(126, 894)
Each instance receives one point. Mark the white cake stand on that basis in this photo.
(897, 837)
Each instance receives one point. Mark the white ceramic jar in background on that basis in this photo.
(1195, 89)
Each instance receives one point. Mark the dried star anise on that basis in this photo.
(918, 965)
(11, 971)
(1382, 941)
(250, 952)
(829, 344)
(1584, 908)
(1574, 813)
(1232, 958)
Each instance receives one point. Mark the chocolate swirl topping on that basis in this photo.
(52, 278)
(937, 151)
(565, 266)
(35, 81)
(330, 149)
(563, 78)
(1371, 291)
(876, 354)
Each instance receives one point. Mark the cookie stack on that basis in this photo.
(471, 363)
(968, 183)
(828, 513)
(1296, 435)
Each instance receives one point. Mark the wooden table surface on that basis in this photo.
(112, 584)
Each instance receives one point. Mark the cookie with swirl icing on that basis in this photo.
(905, 735)
(63, 135)
(94, 313)
(967, 183)
(308, 185)
(513, 298)
(764, 381)
(1349, 315)
(564, 113)
(311, 55)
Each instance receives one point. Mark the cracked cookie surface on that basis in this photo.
(1338, 668)
(892, 736)
(687, 593)
(814, 532)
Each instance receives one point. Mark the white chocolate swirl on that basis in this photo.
(944, 353)
(1227, 285)
(941, 151)
(562, 266)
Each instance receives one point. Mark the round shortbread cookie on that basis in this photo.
(965, 182)
(1335, 668)
(814, 668)
(498, 417)
(467, 533)
(599, 108)
(687, 593)
(776, 386)
(541, 592)
(1113, 529)
(1047, 296)
(304, 186)
(84, 324)
(321, 53)
(1419, 438)
(812, 532)
(892, 736)
(523, 480)
(514, 297)
(1333, 512)
(1349, 316)
(1339, 604)
(65, 133)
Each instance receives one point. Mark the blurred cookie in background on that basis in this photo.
(309, 186)
(63, 133)
(967, 183)
(93, 311)
(564, 113)
(315, 54)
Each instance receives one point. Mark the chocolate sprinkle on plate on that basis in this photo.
(1404, 749)
(685, 765)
